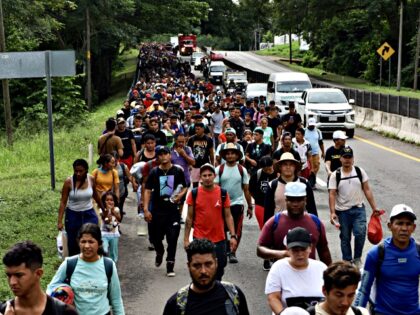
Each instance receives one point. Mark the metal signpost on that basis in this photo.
(385, 51)
(40, 64)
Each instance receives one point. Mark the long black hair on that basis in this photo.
(103, 159)
(85, 165)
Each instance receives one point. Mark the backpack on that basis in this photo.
(58, 307)
(358, 172)
(232, 308)
(222, 168)
(314, 218)
(356, 310)
(71, 265)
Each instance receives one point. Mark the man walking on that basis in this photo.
(234, 178)
(165, 187)
(23, 268)
(271, 241)
(208, 212)
(129, 143)
(395, 264)
(333, 154)
(340, 284)
(314, 137)
(205, 295)
(109, 143)
(348, 185)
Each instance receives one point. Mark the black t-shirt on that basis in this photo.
(251, 125)
(49, 308)
(259, 187)
(159, 136)
(256, 152)
(277, 154)
(209, 303)
(201, 149)
(126, 137)
(332, 154)
(274, 123)
(292, 127)
(163, 184)
(238, 125)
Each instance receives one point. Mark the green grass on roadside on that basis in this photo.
(282, 51)
(28, 206)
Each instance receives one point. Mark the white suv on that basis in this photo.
(330, 108)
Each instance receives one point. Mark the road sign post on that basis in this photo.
(385, 52)
(40, 64)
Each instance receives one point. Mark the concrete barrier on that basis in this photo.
(402, 127)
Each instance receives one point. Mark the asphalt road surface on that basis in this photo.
(392, 167)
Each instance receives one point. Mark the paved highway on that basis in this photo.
(393, 178)
(392, 166)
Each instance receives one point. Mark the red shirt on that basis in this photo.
(209, 219)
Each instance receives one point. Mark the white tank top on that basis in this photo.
(80, 199)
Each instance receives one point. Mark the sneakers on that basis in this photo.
(158, 260)
(357, 262)
(266, 265)
(233, 259)
(170, 269)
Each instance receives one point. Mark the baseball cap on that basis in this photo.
(162, 149)
(294, 310)
(338, 134)
(401, 209)
(209, 167)
(347, 151)
(312, 121)
(298, 237)
(120, 120)
(266, 161)
(230, 130)
(295, 189)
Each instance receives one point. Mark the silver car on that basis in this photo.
(255, 90)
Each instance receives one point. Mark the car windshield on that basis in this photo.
(217, 69)
(293, 86)
(197, 54)
(327, 97)
(257, 87)
(236, 77)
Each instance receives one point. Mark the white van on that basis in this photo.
(217, 71)
(283, 87)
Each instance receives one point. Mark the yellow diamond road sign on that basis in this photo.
(385, 51)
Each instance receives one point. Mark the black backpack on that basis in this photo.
(358, 172)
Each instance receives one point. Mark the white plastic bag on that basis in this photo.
(62, 248)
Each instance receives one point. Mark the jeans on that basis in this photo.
(165, 225)
(352, 220)
(73, 222)
(110, 246)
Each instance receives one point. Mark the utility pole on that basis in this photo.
(290, 46)
(416, 61)
(5, 84)
(400, 46)
(88, 64)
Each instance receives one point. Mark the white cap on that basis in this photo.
(295, 189)
(312, 121)
(294, 310)
(338, 134)
(402, 209)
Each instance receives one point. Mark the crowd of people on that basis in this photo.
(180, 140)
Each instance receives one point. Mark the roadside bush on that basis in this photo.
(310, 60)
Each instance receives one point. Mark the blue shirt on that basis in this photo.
(90, 286)
(397, 287)
(313, 137)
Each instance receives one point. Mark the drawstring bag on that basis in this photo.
(375, 233)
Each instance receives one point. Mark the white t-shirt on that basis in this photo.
(218, 121)
(303, 150)
(291, 282)
(320, 311)
(349, 192)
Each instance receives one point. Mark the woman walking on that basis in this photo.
(76, 203)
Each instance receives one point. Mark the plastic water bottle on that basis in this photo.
(141, 225)
(175, 193)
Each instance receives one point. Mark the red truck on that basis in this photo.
(187, 44)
